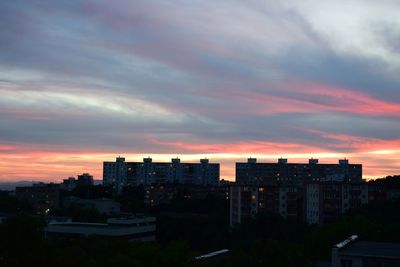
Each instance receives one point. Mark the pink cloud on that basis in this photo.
(19, 162)
(353, 102)
(237, 147)
(358, 143)
(306, 98)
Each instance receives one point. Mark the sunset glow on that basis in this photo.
(84, 82)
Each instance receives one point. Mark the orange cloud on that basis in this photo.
(33, 163)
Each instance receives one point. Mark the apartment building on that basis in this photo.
(121, 173)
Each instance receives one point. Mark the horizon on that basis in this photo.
(83, 82)
(226, 167)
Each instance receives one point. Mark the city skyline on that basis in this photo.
(226, 167)
(84, 82)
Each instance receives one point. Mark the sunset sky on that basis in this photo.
(82, 82)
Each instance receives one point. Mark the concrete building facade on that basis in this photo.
(314, 192)
(252, 172)
(42, 197)
(248, 201)
(327, 201)
(121, 173)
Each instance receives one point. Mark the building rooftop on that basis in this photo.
(372, 249)
(110, 222)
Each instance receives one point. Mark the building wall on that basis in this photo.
(121, 173)
(317, 202)
(327, 201)
(158, 195)
(252, 172)
(42, 197)
(312, 203)
(115, 173)
(248, 201)
(242, 204)
(354, 196)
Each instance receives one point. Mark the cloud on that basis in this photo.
(219, 78)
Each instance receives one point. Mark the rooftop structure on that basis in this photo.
(132, 228)
(355, 253)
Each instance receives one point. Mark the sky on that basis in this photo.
(82, 82)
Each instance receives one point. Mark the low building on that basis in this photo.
(71, 183)
(85, 179)
(101, 205)
(354, 253)
(42, 197)
(137, 228)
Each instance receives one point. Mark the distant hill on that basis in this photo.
(391, 181)
(9, 186)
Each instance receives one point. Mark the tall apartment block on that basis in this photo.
(314, 192)
(282, 172)
(247, 201)
(121, 173)
(325, 202)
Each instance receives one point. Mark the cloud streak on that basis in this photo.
(83, 81)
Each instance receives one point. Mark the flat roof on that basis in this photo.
(298, 163)
(372, 249)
